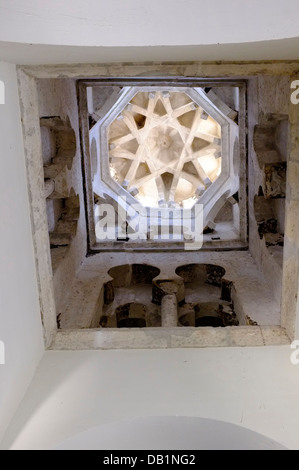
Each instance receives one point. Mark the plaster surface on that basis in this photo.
(35, 54)
(20, 322)
(177, 22)
(72, 392)
(170, 432)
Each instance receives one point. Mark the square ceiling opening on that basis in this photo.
(155, 152)
(157, 148)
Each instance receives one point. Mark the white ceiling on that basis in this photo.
(40, 31)
(147, 22)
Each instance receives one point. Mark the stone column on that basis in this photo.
(169, 311)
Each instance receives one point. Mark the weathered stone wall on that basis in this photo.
(57, 98)
(268, 106)
(290, 282)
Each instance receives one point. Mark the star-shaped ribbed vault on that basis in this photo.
(165, 149)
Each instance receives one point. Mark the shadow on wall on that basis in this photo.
(170, 432)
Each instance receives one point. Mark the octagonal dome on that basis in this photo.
(167, 147)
